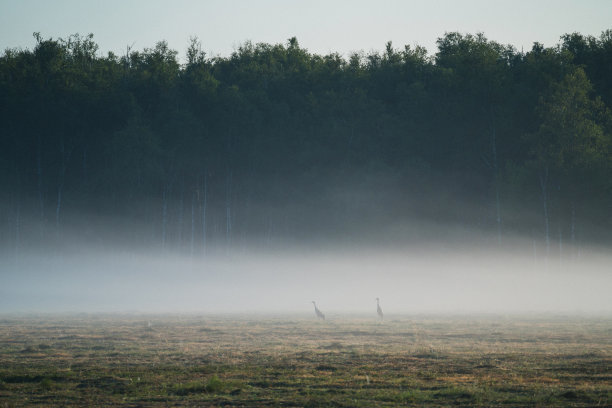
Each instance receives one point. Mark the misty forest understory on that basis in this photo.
(274, 144)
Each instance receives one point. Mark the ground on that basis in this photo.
(190, 360)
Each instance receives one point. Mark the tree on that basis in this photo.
(479, 84)
(571, 145)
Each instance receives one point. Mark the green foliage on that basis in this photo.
(193, 387)
(275, 126)
(571, 134)
(46, 383)
(214, 384)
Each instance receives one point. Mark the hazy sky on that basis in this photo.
(321, 26)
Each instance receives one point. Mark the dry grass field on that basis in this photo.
(189, 360)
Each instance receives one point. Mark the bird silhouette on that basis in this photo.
(378, 309)
(319, 314)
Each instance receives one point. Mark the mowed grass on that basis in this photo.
(129, 360)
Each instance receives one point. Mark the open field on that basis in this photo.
(189, 360)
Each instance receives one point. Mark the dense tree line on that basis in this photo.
(274, 142)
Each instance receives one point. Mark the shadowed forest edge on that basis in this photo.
(274, 143)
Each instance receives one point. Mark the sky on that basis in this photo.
(321, 26)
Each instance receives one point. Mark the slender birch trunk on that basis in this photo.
(180, 219)
(560, 244)
(39, 175)
(65, 157)
(496, 179)
(544, 197)
(228, 210)
(164, 217)
(191, 244)
(573, 231)
(203, 209)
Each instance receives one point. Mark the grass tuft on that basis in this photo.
(213, 386)
(46, 383)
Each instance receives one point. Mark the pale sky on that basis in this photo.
(321, 26)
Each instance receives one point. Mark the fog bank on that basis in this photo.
(407, 280)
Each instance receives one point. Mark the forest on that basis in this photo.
(274, 144)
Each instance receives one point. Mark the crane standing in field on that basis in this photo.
(319, 314)
(378, 309)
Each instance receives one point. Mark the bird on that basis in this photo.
(319, 314)
(378, 309)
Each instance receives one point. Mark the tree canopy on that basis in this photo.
(274, 141)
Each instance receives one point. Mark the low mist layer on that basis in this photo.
(411, 280)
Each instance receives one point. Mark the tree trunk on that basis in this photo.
(544, 196)
(58, 207)
(191, 244)
(180, 218)
(85, 166)
(39, 175)
(65, 157)
(496, 180)
(560, 244)
(204, 203)
(573, 231)
(228, 210)
(164, 217)
(18, 229)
